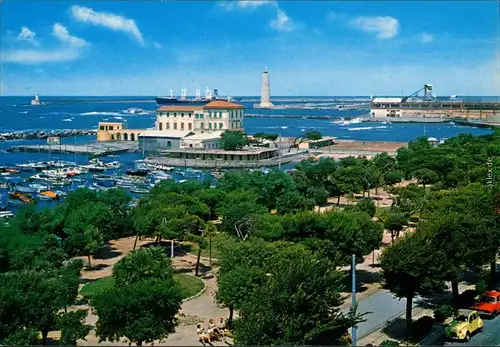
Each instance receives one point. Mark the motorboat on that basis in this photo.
(26, 167)
(38, 187)
(48, 194)
(113, 165)
(217, 174)
(160, 167)
(161, 175)
(138, 190)
(21, 197)
(137, 172)
(24, 189)
(6, 214)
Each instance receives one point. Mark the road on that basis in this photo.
(384, 307)
(490, 336)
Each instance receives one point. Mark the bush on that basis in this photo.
(421, 327)
(389, 343)
(443, 312)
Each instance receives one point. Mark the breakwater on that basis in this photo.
(44, 134)
(254, 115)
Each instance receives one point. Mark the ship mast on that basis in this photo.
(198, 94)
(171, 93)
(183, 93)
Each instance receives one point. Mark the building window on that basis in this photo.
(175, 126)
(189, 114)
(201, 126)
(182, 126)
(190, 126)
(168, 125)
(175, 114)
(182, 114)
(209, 125)
(160, 126)
(101, 127)
(111, 127)
(169, 144)
(221, 125)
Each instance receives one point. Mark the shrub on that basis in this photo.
(443, 312)
(421, 327)
(389, 343)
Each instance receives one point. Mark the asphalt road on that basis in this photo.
(490, 336)
(384, 307)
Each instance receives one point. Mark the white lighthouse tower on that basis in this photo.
(265, 92)
(36, 100)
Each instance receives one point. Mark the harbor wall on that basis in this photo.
(436, 113)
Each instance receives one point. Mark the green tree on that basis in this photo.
(411, 266)
(426, 176)
(73, 328)
(142, 311)
(366, 205)
(303, 291)
(143, 264)
(395, 223)
(93, 241)
(312, 135)
(233, 140)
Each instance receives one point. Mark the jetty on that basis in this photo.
(94, 149)
(254, 115)
(44, 134)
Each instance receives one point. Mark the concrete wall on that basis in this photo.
(444, 113)
(158, 143)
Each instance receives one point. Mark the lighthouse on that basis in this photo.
(36, 100)
(265, 91)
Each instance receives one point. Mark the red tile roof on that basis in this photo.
(223, 104)
(181, 108)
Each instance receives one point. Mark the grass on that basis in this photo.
(193, 247)
(190, 285)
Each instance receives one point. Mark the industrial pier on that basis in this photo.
(430, 106)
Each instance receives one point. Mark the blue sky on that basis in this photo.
(309, 48)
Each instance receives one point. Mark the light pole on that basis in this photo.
(353, 307)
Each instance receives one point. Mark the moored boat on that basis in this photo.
(21, 197)
(137, 172)
(48, 194)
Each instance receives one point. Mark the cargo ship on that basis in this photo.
(184, 100)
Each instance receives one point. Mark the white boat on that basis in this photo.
(160, 167)
(161, 175)
(6, 214)
(356, 120)
(54, 173)
(43, 197)
(113, 165)
(38, 186)
(29, 166)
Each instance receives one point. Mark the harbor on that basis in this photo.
(94, 149)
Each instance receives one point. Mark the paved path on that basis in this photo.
(489, 337)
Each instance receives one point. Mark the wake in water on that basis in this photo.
(100, 114)
(367, 128)
(68, 120)
(23, 112)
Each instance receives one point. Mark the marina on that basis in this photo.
(92, 149)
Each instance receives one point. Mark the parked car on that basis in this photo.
(489, 303)
(464, 325)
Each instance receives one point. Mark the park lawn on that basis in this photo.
(192, 248)
(190, 285)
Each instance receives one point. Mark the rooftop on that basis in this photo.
(181, 108)
(384, 99)
(110, 123)
(324, 138)
(250, 150)
(166, 133)
(204, 136)
(223, 104)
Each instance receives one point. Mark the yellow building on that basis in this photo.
(181, 126)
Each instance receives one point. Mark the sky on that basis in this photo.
(309, 47)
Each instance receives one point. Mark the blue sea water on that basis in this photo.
(64, 113)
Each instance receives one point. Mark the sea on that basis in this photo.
(59, 113)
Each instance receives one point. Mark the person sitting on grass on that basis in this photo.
(203, 335)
